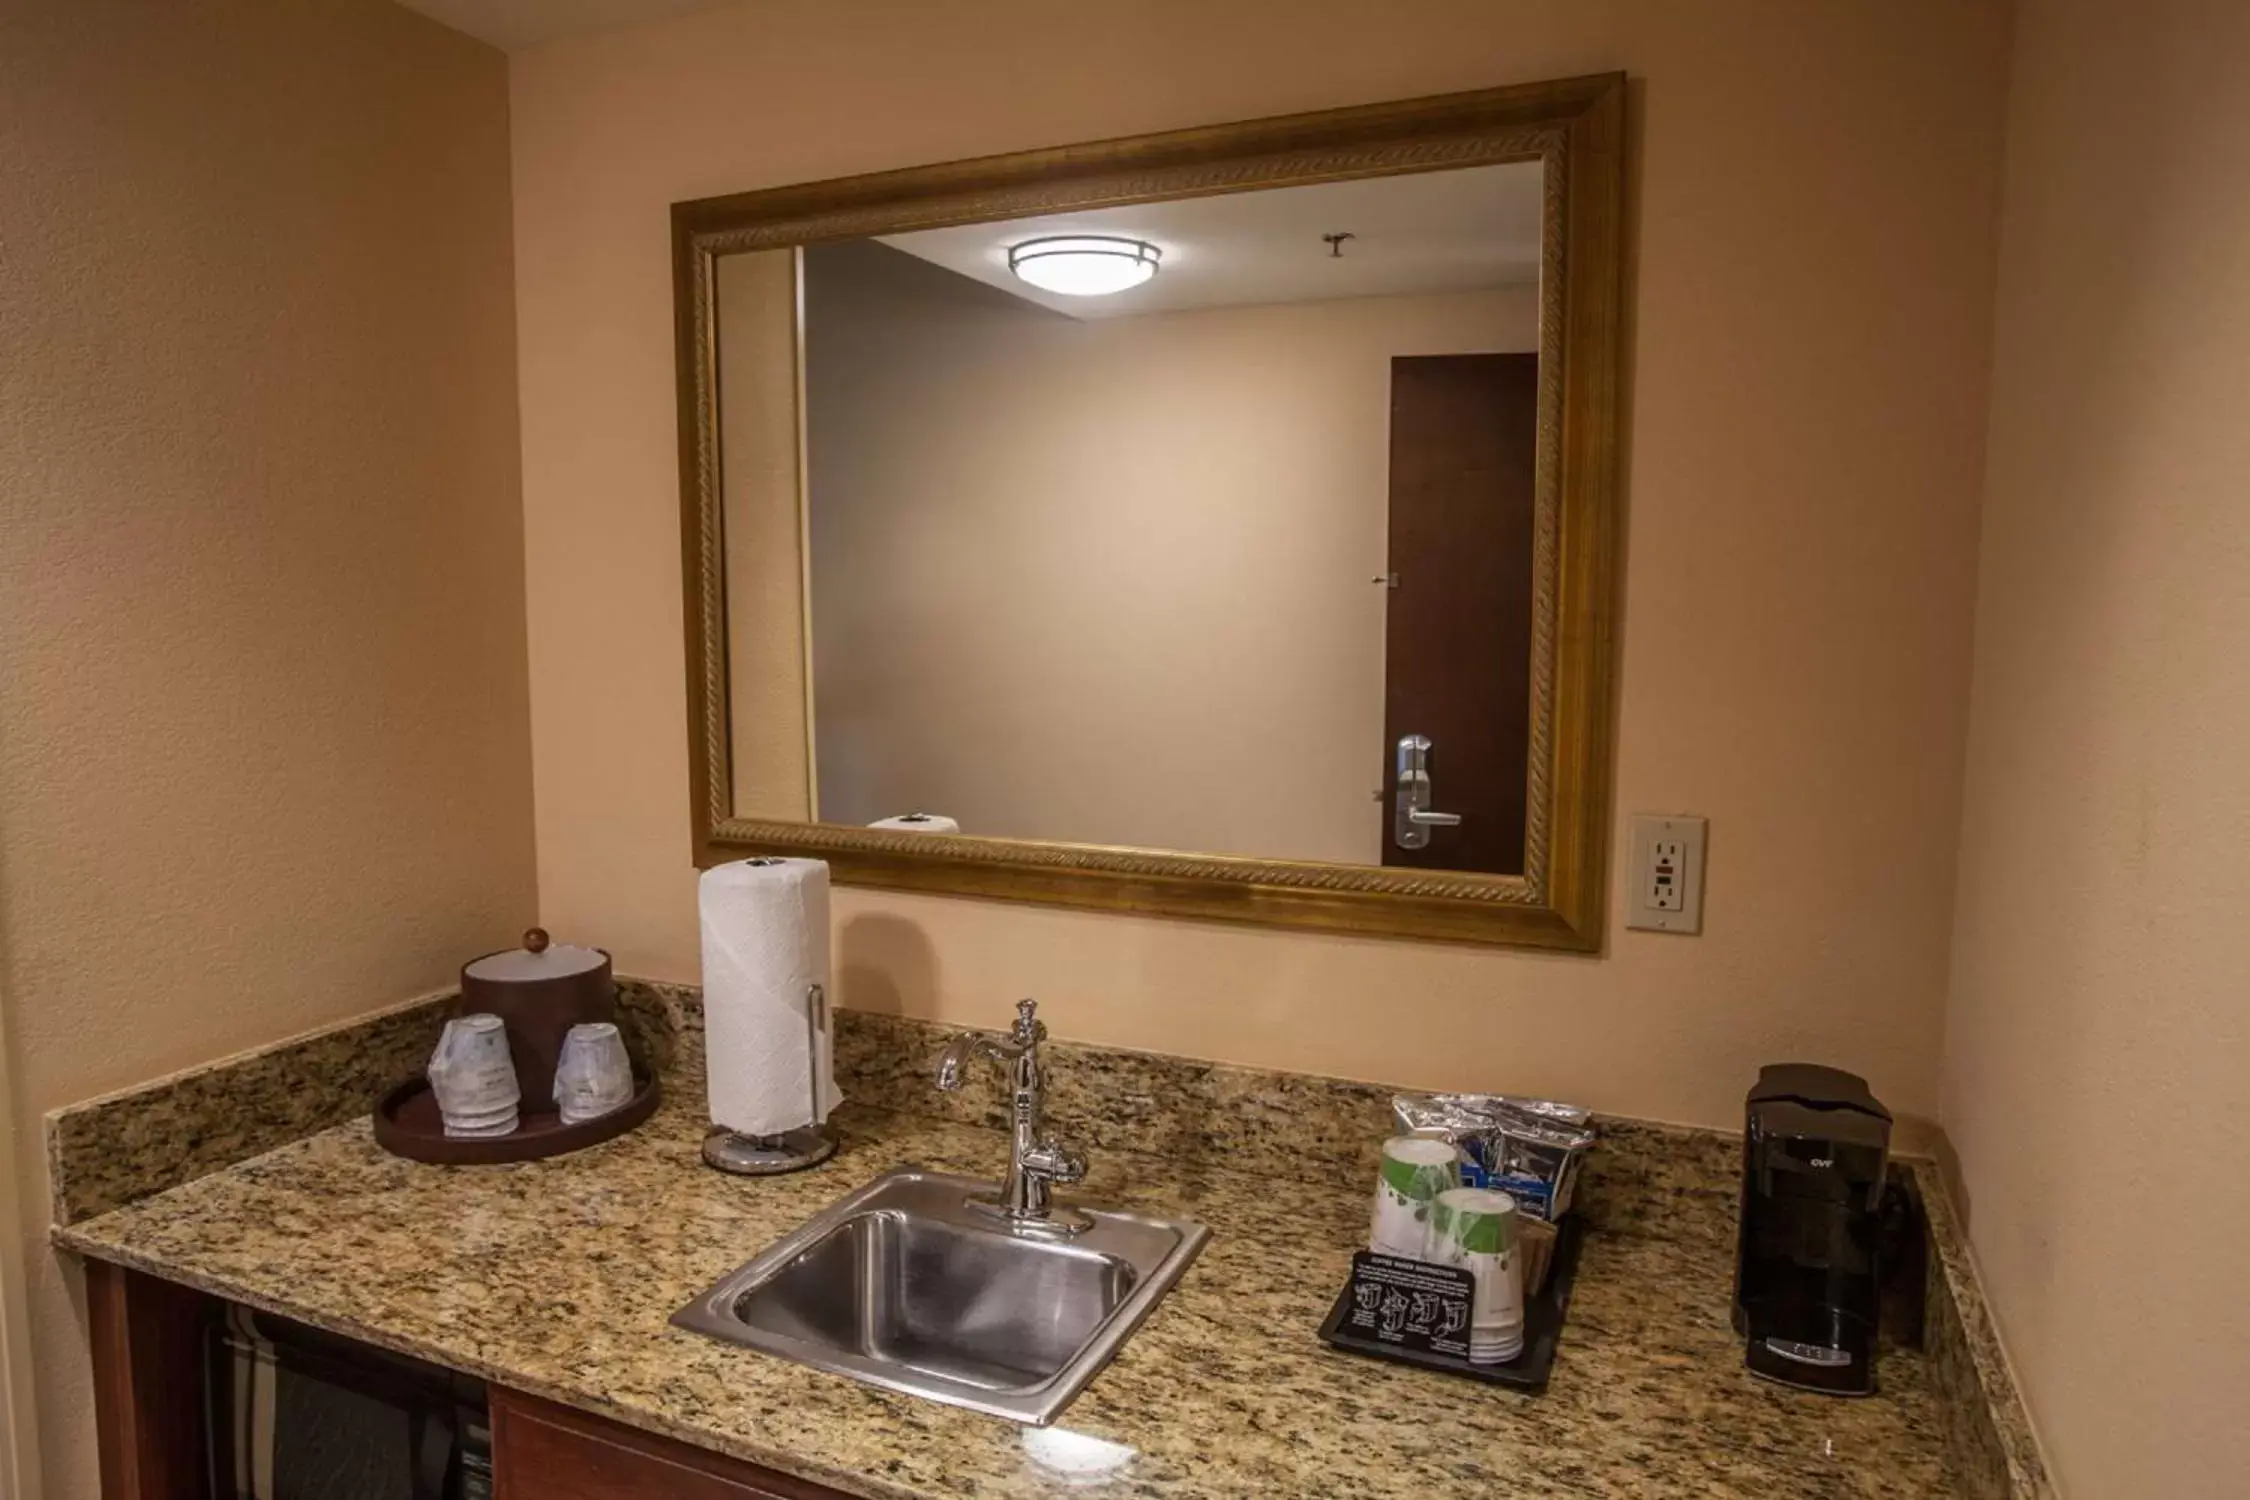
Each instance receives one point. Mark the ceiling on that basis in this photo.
(513, 25)
(1426, 232)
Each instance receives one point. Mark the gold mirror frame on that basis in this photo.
(1575, 127)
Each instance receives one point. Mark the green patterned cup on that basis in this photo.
(1475, 1229)
(1415, 1171)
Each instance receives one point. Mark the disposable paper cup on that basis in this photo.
(1475, 1229)
(1414, 1172)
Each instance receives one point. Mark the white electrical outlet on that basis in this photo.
(1666, 893)
(1667, 857)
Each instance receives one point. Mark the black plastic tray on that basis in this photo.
(1543, 1317)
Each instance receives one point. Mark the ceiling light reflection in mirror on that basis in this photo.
(1084, 265)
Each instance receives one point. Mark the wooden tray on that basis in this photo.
(407, 1123)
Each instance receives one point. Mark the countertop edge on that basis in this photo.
(2001, 1398)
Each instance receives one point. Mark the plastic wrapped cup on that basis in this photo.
(593, 1076)
(476, 1127)
(1414, 1172)
(474, 1078)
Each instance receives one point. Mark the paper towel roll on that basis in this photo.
(919, 823)
(765, 944)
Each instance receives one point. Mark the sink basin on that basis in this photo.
(902, 1285)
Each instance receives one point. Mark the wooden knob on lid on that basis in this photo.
(536, 940)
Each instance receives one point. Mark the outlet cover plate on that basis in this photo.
(1664, 881)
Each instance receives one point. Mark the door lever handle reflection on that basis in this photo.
(1410, 829)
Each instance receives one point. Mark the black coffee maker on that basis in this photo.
(1807, 1284)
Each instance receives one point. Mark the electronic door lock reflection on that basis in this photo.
(1410, 828)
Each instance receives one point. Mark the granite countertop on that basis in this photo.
(558, 1278)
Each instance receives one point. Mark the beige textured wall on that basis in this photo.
(1814, 197)
(1108, 581)
(2097, 1056)
(263, 718)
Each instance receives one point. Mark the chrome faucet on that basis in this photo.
(1035, 1163)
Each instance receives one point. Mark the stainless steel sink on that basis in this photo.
(906, 1285)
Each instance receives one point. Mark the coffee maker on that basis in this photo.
(1815, 1148)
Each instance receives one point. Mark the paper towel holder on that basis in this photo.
(791, 1150)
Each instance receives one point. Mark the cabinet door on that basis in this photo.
(541, 1451)
(147, 1341)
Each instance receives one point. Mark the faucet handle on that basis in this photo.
(1055, 1162)
(1028, 1027)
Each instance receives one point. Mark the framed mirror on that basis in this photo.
(1217, 523)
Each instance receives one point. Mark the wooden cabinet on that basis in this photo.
(149, 1355)
(542, 1451)
(147, 1344)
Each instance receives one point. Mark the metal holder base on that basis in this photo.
(792, 1150)
(768, 1155)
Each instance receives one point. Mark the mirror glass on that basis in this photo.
(1200, 525)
